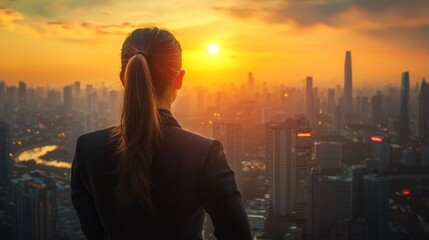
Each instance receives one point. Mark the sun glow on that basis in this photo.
(213, 49)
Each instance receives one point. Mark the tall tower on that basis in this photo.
(309, 99)
(288, 154)
(22, 94)
(67, 98)
(348, 85)
(250, 81)
(424, 112)
(404, 118)
(229, 133)
(36, 206)
(5, 161)
(330, 107)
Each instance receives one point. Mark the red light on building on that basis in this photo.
(303, 134)
(376, 139)
(406, 192)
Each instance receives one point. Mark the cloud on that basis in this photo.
(50, 8)
(66, 30)
(377, 18)
(416, 37)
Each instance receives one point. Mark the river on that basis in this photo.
(36, 153)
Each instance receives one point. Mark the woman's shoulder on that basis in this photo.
(190, 141)
(94, 140)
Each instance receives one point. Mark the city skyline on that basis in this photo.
(47, 42)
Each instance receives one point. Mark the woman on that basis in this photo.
(148, 178)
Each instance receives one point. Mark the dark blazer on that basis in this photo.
(189, 173)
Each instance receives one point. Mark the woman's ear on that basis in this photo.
(177, 84)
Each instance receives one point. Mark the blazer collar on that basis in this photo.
(169, 120)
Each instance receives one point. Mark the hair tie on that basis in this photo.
(141, 52)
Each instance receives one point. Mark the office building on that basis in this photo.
(335, 202)
(229, 134)
(409, 156)
(376, 206)
(288, 151)
(5, 160)
(347, 229)
(381, 153)
(356, 173)
(404, 118)
(328, 156)
(36, 207)
(257, 213)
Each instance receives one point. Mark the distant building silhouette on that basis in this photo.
(404, 118)
(250, 81)
(36, 207)
(348, 84)
(11, 96)
(423, 114)
(377, 113)
(337, 122)
(309, 99)
(229, 133)
(330, 106)
(22, 94)
(67, 99)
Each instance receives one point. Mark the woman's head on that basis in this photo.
(162, 53)
(151, 73)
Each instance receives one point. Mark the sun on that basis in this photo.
(213, 49)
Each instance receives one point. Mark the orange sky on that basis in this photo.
(57, 42)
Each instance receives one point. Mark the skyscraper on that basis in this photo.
(67, 99)
(22, 94)
(288, 151)
(335, 200)
(348, 84)
(404, 119)
(328, 156)
(229, 133)
(377, 114)
(250, 81)
(309, 99)
(381, 153)
(77, 89)
(330, 106)
(5, 161)
(36, 207)
(376, 206)
(424, 113)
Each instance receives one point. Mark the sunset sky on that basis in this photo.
(58, 42)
